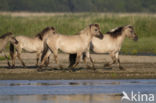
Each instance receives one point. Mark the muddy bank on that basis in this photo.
(137, 67)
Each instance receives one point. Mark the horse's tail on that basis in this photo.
(72, 59)
(45, 50)
(12, 50)
(84, 56)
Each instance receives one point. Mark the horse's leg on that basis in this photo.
(12, 54)
(47, 61)
(44, 57)
(88, 56)
(113, 62)
(13, 58)
(77, 60)
(92, 61)
(37, 58)
(6, 58)
(72, 59)
(55, 52)
(118, 61)
(19, 56)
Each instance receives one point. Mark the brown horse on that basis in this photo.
(31, 45)
(70, 44)
(111, 43)
(4, 39)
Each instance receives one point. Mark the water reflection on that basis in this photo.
(71, 91)
(90, 98)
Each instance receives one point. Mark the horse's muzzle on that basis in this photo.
(16, 42)
(135, 38)
(100, 36)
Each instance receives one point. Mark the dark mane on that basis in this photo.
(6, 34)
(115, 33)
(43, 32)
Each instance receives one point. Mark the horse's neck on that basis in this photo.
(37, 38)
(6, 40)
(120, 40)
(3, 43)
(45, 37)
(86, 37)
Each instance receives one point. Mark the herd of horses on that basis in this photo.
(78, 46)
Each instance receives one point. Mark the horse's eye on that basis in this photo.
(96, 30)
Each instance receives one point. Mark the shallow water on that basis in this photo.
(72, 91)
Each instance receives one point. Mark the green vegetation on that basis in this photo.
(79, 5)
(72, 23)
(144, 46)
(2, 58)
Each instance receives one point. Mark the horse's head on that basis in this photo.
(95, 30)
(10, 37)
(52, 30)
(48, 31)
(13, 39)
(45, 32)
(130, 33)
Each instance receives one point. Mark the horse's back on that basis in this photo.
(105, 45)
(29, 44)
(20, 38)
(64, 38)
(70, 38)
(66, 43)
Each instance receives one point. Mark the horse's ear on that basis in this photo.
(9, 33)
(128, 26)
(97, 25)
(91, 25)
(52, 28)
(40, 37)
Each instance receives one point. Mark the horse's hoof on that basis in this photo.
(40, 66)
(12, 67)
(9, 67)
(39, 70)
(106, 65)
(61, 67)
(94, 69)
(37, 65)
(122, 68)
(24, 66)
(71, 70)
(46, 65)
(88, 67)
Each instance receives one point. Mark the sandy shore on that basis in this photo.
(137, 67)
